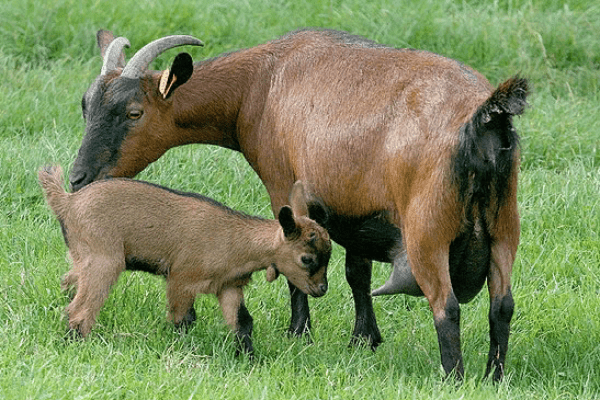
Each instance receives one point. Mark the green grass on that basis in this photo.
(47, 60)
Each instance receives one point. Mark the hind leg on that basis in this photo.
(435, 284)
(69, 281)
(501, 309)
(428, 254)
(94, 278)
(506, 233)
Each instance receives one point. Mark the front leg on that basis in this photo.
(279, 187)
(231, 300)
(189, 317)
(358, 275)
(300, 323)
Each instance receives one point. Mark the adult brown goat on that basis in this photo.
(412, 155)
(196, 243)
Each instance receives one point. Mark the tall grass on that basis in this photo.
(47, 59)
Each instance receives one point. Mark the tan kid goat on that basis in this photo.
(413, 156)
(198, 244)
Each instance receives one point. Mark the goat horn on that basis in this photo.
(112, 55)
(140, 61)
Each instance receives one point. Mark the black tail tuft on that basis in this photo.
(488, 145)
(510, 98)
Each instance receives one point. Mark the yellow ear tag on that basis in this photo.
(162, 84)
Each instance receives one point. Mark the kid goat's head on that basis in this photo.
(306, 248)
(115, 106)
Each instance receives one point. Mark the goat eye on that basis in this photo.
(308, 261)
(134, 114)
(312, 239)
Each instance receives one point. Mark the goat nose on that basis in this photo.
(77, 180)
(323, 288)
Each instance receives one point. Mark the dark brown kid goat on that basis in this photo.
(412, 155)
(196, 243)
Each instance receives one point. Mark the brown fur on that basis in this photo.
(199, 245)
(374, 132)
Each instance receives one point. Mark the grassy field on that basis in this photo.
(48, 58)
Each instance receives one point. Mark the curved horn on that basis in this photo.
(140, 61)
(112, 56)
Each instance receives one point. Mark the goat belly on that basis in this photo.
(155, 267)
(372, 237)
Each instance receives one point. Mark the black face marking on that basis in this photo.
(105, 109)
(314, 262)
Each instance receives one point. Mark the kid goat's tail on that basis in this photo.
(51, 180)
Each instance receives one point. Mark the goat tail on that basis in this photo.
(488, 145)
(51, 180)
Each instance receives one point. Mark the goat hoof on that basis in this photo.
(245, 346)
(365, 341)
(187, 320)
(497, 373)
(299, 329)
(73, 335)
(190, 316)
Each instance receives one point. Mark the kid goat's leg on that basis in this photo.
(231, 300)
(181, 301)
(97, 274)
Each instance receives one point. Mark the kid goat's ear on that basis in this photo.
(286, 219)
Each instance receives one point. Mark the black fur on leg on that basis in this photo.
(188, 320)
(501, 312)
(300, 322)
(448, 330)
(358, 275)
(244, 331)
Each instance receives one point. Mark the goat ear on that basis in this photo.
(181, 70)
(287, 222)
(104, 38)
(306, 204)
(298, 200)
